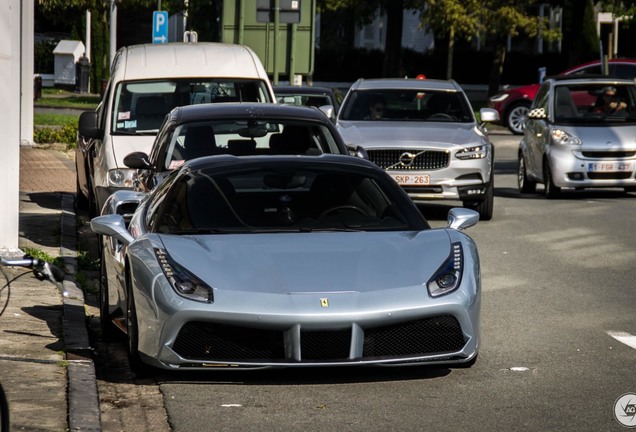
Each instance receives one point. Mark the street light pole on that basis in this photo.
(113, 30)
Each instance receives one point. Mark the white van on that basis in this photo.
(146, 82)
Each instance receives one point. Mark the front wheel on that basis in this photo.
(516, 118)
(132, 329)
(485, 208)
(4, 411)
(109, 332)
(550, 190)
(524, 183)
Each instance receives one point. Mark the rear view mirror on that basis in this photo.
(87, 125)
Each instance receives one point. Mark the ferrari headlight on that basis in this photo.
(184, 283)
(476, 152)
(121, 177)
(562, 137)
(448, 277)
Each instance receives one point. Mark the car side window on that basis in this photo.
(541, 100)
(625, 71)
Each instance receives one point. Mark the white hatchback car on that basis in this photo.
(580, 133)
(424, 133)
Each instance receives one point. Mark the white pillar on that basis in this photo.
(27, 68)
(10, 25)
(87, 44)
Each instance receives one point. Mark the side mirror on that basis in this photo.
(87, 125)
(461, 218)
(358, 152)
(488, 115)
(328, 110)
(137, 160)
(112, 225)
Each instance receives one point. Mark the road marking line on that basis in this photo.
(623, 337)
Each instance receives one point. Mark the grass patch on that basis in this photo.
(41, 255)
(43, 119)
(65, 99)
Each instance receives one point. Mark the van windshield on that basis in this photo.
(141, 106)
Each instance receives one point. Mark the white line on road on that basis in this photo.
(623, 337)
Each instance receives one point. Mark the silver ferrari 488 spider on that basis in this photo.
(286, 261)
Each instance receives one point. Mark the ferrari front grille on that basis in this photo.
(409, 160)
(201, 341)
(206, 341)
(434, 335)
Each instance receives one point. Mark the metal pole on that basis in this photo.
(276, 39)
(113, 30)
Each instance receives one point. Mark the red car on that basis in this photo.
(513, 104)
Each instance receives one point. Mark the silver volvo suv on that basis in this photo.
(424, 133)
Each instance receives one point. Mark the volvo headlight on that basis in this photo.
(184, 283)
(121, 177)
(562, 137)
(476, 152)
(448, 277)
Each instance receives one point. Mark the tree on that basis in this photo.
(365, 11)
(456, 18)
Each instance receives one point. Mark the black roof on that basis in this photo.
(334, 160)
(254, 110)
(289, 89)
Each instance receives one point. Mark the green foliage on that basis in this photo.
(43, 119)
(86, 262)
(66, 134)
(41, 255)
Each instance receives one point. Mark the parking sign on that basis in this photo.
(159, 27)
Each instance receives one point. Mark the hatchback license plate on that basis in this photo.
(609, 167)
(411, 180)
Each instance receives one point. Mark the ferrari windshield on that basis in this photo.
(298, 198)
(141, 106)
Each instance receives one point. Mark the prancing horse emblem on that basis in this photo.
(324, 302)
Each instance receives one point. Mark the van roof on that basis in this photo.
(183, 60)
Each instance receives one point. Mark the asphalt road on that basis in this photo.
(558, 282)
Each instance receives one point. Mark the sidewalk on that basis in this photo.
(45, 355)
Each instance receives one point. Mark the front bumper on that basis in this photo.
(572, 169)
(180, 334)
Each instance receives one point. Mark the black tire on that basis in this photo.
(515, 117)
(4, 411)
(550, 190)
(485, 208)
(524, 183)
(81, 200)
(132, 329)
(109, 331)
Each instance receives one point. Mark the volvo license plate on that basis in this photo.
(411, 179)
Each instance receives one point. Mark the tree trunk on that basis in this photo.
(392, 66)
(451, 47)
(497, 66)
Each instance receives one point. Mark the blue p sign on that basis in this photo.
(159, 27)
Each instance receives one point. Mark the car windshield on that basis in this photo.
(595, 103)
(303, 99)
(141, 106)
(297, 199)
(407, 105)
(243, 136)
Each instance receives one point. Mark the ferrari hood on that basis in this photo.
(311, 262)
(408, 134)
